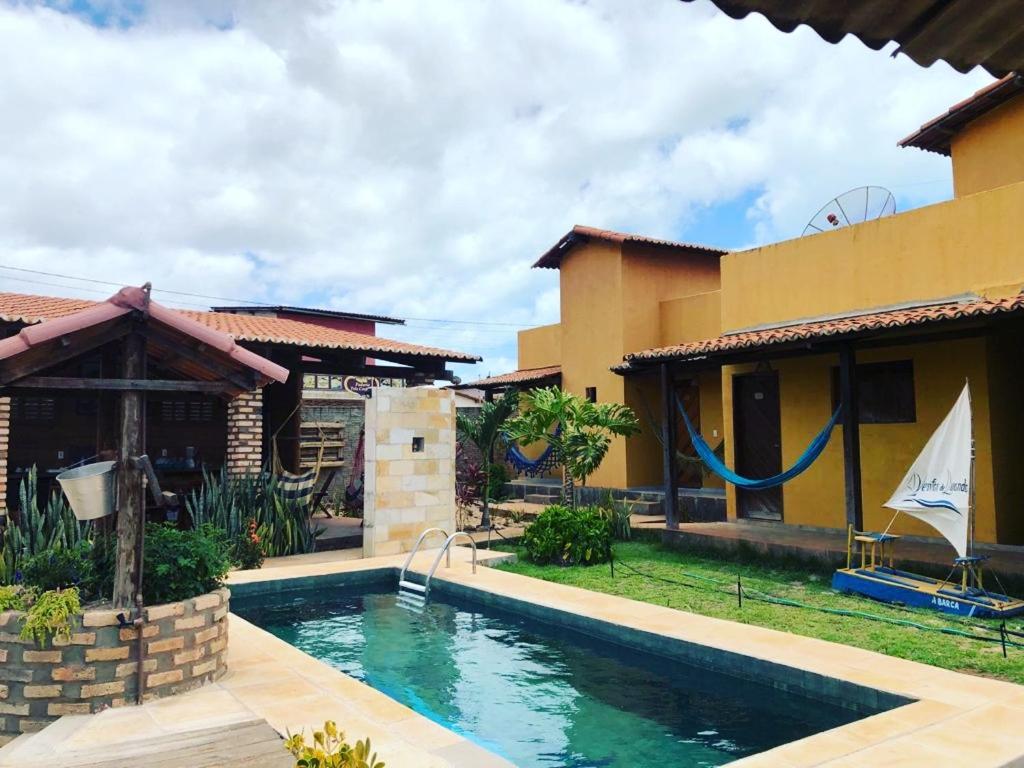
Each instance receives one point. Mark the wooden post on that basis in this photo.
(851, 437)
(668, 441)
(129, 477)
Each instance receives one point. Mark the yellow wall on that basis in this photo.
(1006, 371)
(691, 318)
(540, 347)
(591, 314)
(989, 152)
(816, 498)
(935, 252)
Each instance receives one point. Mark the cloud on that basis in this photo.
(414, 158)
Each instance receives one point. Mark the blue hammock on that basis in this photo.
(718, 467)
(532, 467)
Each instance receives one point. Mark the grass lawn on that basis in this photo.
(790, 582)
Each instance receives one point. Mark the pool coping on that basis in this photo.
(951, 713)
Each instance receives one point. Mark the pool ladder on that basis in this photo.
(415, 595)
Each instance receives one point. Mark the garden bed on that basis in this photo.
(184, 647)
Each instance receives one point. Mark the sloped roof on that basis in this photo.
(579, 234)
(963, 33)
(937, 134)
(311, 311)
(132, 299)
(838, 328)
(515, 378)
(23, 308)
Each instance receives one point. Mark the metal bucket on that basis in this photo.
(90, 489)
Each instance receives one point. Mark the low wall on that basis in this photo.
(185, 646)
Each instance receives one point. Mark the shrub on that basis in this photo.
(49, 616)
(247, 549)
(330, 750)
(183, 564)
(568, 536)
(618, 515)
(12, 599)
(60, 568)
(497, 476)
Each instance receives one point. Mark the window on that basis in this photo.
(885, 392)
(592, 394)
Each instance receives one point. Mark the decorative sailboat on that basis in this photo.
(938, 489)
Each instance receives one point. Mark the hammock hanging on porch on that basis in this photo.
(532, 467)
(717, 466)
(354, 489)
(295, 486)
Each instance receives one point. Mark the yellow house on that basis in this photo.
(762, 345)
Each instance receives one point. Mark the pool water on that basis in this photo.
(535, 693)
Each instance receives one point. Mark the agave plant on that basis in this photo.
(33, 530)
(232, 504)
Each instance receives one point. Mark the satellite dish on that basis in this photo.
(853, 207)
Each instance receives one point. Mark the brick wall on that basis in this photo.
(185, 647)
(244, 453)
(407, 490)
(351, 413)
(5, 443)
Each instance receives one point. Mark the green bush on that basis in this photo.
(12, 598)
(247, 548)
(497, 476)
(618, 515)
(49, 616)
(567, 536)
(183, 564)
(60, 568)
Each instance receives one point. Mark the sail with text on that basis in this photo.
(937, 489)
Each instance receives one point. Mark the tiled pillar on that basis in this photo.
(5, 443)
(410, 467)
(244, 454)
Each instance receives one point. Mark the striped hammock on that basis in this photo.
(295, 487)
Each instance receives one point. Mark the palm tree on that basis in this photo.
(483, 430)
(579, 431)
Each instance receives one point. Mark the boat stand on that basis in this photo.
(877, 577)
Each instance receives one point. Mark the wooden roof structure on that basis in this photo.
(200, 358)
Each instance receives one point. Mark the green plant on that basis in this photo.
(618, 515)
(497, 476)
(579, 431)
(49, 616)
(12, 598)
(60, 568)
(182, 564)
(32, 530)
(483, 430)
(247, 549)
(330, 750)
(230, 503)
(569, 536)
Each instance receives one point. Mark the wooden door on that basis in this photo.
(758, 436)
(689, 472)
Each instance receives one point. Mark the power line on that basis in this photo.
(224, 298)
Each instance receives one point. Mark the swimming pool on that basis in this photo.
(534, 692)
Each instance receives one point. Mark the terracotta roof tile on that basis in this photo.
(552, 259)
(525, 376)
(22, 308)
(936, 135)
(815, 330)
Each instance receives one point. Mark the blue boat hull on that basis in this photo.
(894, 586)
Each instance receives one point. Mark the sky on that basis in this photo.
(414, 158)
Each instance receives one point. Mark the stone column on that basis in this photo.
(5, 444)
(244, 455)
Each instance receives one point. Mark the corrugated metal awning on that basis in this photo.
(963, 33)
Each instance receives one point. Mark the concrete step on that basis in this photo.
(542, 498)
(643, 506)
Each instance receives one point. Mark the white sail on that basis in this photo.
(937, 489)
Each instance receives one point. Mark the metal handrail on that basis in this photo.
(416, 547)
(446, 549)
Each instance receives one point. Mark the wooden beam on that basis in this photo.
(851, 437)
(668, 442)
(137, 385)
(129, 477)
(57, 351)
(243, 379)
(338, 368)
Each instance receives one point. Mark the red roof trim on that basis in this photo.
(579, 234)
